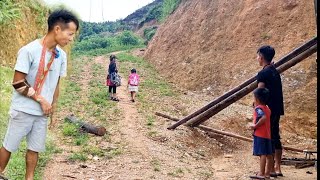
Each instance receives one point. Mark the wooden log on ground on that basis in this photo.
(235, 97)
(97, 130)
(283, 60)
(229, 134)
(298, 162)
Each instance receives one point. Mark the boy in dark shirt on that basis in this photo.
(270, 78)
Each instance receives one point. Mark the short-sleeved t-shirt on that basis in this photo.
(272, 80)
(27, 62)
(262, 131)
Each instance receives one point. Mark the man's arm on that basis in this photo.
(54, 104)
(19, 77)
(56, 93)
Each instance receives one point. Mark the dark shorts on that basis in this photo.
(262, 146)
(113, 89)
(275, 132)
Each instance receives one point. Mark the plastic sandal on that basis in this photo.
(279, 174)
(257, 177)
(273, 174)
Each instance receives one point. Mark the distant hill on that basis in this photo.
(145, 14)
(132, 22)
(143, 21)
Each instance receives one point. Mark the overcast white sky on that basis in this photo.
(111, 9)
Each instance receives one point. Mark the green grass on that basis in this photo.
(114, 152)
(156, 164)
(69, 129)
(90, 105)
(150, 80)
(150, 120)
(177, 173)
(168, 7)
(6, 76)
(78, 157)
(16, 167)
(9, 10)
(72, 130)
(265, 36)
(93, 150)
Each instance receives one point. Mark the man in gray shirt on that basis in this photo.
(38, 69)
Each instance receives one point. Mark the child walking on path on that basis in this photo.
(261, 133)
(112, 70)
(133, 83)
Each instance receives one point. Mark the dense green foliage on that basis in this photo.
(158, 10)
(88, 29)
(8, 11)
(99, 44)
(148, 33)
(13, 9)
(168, 7)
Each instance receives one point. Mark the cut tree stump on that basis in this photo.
(97, 130)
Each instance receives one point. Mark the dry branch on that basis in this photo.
(97, 130)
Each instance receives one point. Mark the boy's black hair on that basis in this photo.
(112, 57)
(262, 94)
(61, 16)
(133, 70)
(267, 52)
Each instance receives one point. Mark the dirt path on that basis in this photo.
(144, 152)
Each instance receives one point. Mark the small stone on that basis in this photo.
(95, 158)
(90, 156)
(83, 166)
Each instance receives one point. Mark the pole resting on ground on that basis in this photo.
(97, 130)
(229, 134)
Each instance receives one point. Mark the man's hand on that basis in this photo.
(45, 106)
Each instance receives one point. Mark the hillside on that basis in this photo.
(147, 17)
(14, 33)
(210, 47)
(142, 15)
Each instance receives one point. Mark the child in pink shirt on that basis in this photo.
(133, 83)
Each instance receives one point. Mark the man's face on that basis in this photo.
(259, 59)
(65, 35)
